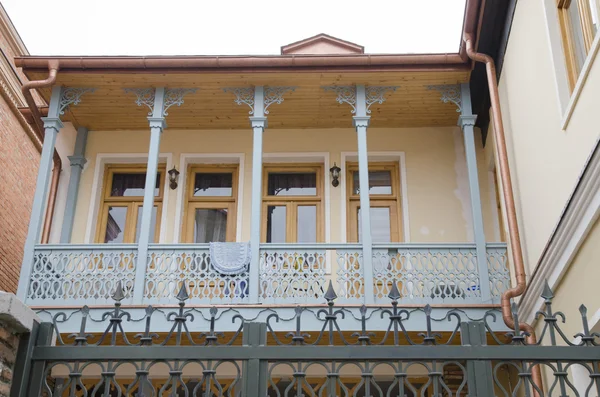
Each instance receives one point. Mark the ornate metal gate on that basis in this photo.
(256, 360)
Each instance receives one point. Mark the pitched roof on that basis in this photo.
(322, 44)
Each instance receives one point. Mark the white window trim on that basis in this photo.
(185, 159)
(122, 158)
(567, 100)
(399, 157)
(581, 80)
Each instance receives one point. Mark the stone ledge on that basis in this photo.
(16, 314)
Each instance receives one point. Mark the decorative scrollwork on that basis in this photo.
(275, 95)
(174, 96)
(345, 94)
(243, 95)
(145, 96)
(71, 96)
(450, 93)
(376, 94)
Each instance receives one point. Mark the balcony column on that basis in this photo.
(360, 98)
(77, 161)
(258, 122)
(157, 124)
(60, 99)
(361, 123)
(158, 100)
(258, 99)
(466, 121)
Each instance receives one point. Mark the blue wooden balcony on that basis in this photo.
(288, 274)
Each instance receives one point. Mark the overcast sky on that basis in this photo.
(221, 27)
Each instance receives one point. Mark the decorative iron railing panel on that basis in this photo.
(80, 274)
(171, 266)
(195, 359)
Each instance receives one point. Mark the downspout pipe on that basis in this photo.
(509, 200)
(53, 66)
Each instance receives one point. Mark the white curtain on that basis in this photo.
(211, 225)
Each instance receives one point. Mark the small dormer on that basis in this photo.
(322, 44)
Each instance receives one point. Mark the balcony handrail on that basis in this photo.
(59, 246)
(326, 246)
(100, 246)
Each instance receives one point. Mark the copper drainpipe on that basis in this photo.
(509, 201)
(53, 67)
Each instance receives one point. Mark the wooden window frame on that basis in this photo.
(293, 202)
(210, 202)
(567, 31)
(132, 203)
(376, 200)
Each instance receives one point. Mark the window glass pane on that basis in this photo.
(380, 182)
(577, 33)
(276, 222)
(213, 184)
(307, 224)
(292, 184)
(210, 225)
(131, 184)
(595, 10)
(115, 225)
(152, 224)
(381, 231)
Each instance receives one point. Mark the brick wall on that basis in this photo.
(18, 170)
(9, 343)
(16, 320)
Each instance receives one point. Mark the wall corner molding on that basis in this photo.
(578, 217)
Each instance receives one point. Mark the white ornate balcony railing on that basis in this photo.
(288, 274)
(171, 265)
(81, 274)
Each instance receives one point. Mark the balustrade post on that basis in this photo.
(479, 372)
(157, 125)
(254, 371)
(467, 121)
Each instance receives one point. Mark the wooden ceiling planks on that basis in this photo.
(309, 106)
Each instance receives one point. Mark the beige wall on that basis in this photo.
(545, 160)
(438, 195)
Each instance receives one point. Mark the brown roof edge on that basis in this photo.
(239, 62)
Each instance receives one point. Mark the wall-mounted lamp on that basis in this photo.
(173, 177)
(335, 175)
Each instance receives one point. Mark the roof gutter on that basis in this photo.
(52, 66)
(250, 63)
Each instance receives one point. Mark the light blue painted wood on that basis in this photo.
(157, 124)
(361, 123)
(77, 160)
(258, 123)
(467, 122)
(52, 126)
